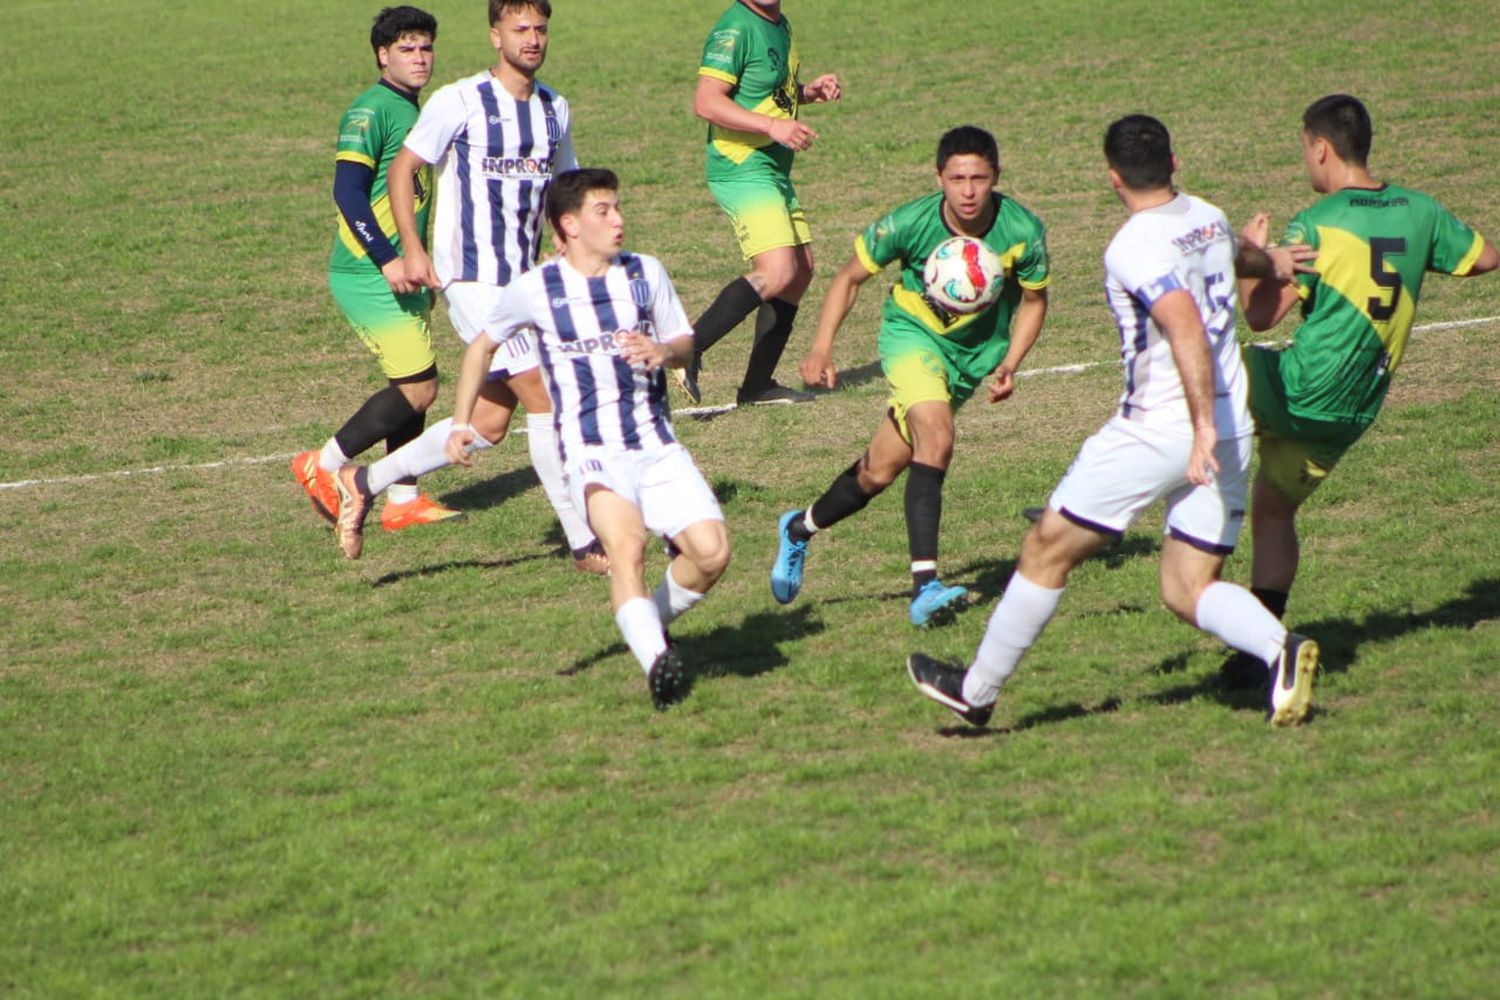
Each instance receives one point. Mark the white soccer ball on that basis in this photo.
(963, 275)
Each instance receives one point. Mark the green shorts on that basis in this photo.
(919, 371)
(394, 327)
(763, 208)
(1296, 454)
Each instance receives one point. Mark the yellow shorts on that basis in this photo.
(915, 377)
(764, 211)
(394, 327)
(1296, 468)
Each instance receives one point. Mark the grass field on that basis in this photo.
(233, 763)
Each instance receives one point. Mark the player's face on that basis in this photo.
(967, 181)
(600, 226)
(407, 63)
(521, 39)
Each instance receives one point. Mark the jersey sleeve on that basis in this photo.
(880, 243)
(1142, 271)
(1302, 230)
(437, 125)
(565, 158)
(667, 313)
(361, 136)
(724, 54)
(1032, 268)
(1455, 247)
(512, 310)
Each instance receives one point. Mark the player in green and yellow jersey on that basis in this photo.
(368, 278)
(934, 361)
(749, 92)
(1375, 242)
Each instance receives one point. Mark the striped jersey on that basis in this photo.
(495, 156)
(1185, 244)
(598, 398)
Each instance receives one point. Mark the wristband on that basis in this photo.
(459, 427)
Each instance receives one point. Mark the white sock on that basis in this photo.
(1234, 615)
(401, 493)
(673, 599)
(641, 627)
(417, 457)
(332, 457)
(1019, 617)
(541, 439)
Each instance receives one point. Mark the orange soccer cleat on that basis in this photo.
(422, 510)
(318, 484)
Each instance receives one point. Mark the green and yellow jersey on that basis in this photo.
(974, 344)
(1374, 248)
(371, 133)
(758, 59)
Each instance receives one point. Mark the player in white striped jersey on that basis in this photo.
(607, 322)
(1182, 434)
(496, 139)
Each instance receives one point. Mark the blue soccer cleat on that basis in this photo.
(786, 575)
(936, 603)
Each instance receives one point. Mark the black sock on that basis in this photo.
(844, 497)
(1274, 600)
(378, 418)
(737, 300)
(924, 512)
(773, 328)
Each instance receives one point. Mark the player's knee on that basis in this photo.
(420, 395)
(772, 277)
(713, 554)
(491, 424)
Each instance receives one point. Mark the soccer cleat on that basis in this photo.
(1033, 514)
(422, 510)
(318, 484)
(668, 679)
(687, 379)
(944, 684)
(791, 554)
(592, 560)
(936, 603)
(774, 394)
(1292, 678)
(354, 507)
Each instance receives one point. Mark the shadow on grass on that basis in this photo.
(493, 492)
(747, 649)
(1044, 717)
(991, 575)
(421, 572)
(853, 378)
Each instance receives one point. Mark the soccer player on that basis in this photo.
(606, 322)
(497, 138)
(368, 279)
(1375, 242)
(749, 93)
(933, 360)
(1182, 434)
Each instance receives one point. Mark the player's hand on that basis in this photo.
(825, 88)
(1002, 385)
(642, 351)
(395, 276)
(1202, 466)
(457, 447)
(791, 134)
(419, 270)
(1257, 230)
(818, 369)
(1292, 260)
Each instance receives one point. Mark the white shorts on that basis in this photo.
(470, 304)
(1126, 467)
(663, 483)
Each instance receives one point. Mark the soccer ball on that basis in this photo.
(963, 275)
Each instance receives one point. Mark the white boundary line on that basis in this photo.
(698, 411)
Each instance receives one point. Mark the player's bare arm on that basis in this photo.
(1024, 330)
(817, 367)
(401, 184)
(821, 90)
(471, 375)
(712, 103)
(640, 349)
(1176, 314)
(1267, 275)
(1489, 260)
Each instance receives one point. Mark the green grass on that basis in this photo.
(232, 763)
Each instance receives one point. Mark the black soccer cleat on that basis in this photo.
(668, 680)
(944, 684)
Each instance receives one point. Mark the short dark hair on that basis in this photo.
(968, 140)
(1345, 124)
(393, 22)
(569, 190)
(499, 7)
(1139, 148)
